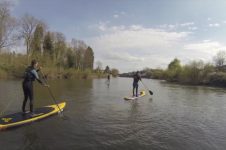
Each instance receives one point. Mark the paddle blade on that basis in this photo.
(151, 93)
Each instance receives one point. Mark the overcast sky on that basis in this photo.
(134, 34)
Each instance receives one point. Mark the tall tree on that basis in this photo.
(78, 44)
(107, 69)
(175, 64)
(114, 72)
(70, 58)
(78, 59)
(174, 70)
(28, 25)
(37, 40)
(48, 45)
(220, 58)
(59, 48)
(79, 48)
(8, 26)
(88, 58)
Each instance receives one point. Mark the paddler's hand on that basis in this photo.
(39, 68)
(46, 85)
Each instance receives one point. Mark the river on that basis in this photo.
(97, 117)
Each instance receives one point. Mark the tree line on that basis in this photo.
(48, 46)
(195, 73)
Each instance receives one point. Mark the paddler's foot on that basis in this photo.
(25, 112)
(32, 114)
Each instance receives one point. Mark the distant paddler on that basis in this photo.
(136, 79)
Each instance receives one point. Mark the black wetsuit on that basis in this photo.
(30, 76)
(136, 79)
(108, 77)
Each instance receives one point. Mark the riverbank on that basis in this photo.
(217, 80)
(53, 73)
(12, 66)
(194, 73)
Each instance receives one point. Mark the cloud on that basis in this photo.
(115, 16)
(214, 25)
(123, 13)
(168, 26)
(136, 36)
(123, 57)
(209, 19)
(188, 25)
(136, 46)
(204, 50)
(192, 28)
(135, 27)
(119, 14)
(102, 26)
(206, 46)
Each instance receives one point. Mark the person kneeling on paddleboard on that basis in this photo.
(30, 76)
(136, 79)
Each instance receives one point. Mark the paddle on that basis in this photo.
(150, 92)
(53, 98)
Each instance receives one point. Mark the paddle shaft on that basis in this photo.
(50, 92)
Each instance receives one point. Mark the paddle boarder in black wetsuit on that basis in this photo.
(30, 76)
(136, 79)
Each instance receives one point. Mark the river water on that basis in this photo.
(176, 117)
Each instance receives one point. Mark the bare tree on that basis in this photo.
(8, 26)
(28, 25)
(79, 47)
(38, 38)
(220, 58)
(114, 72)
(78, 44)
(59, 41)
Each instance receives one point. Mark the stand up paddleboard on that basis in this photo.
(20, 118)
(142, 93)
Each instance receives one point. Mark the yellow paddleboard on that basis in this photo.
(142, 93)
(19, 118)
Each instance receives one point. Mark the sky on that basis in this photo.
(133, 34)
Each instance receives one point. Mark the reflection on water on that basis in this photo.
(31, 140)
(97, 117)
